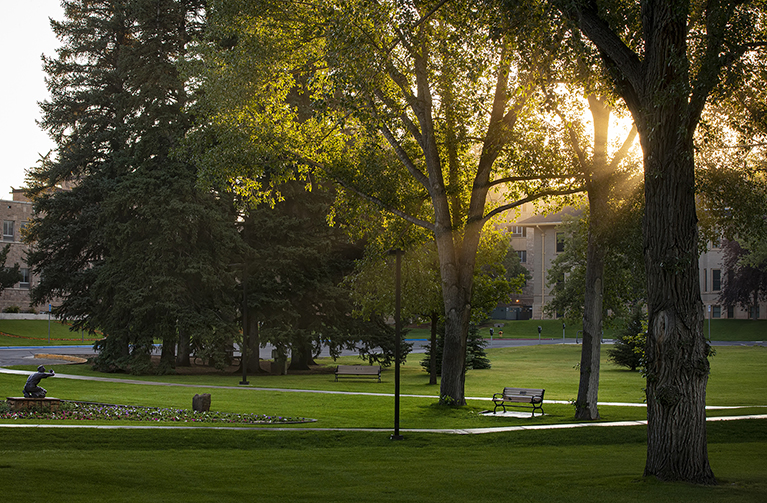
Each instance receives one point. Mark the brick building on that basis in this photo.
(15, 214)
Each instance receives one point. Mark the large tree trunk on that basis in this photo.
(457, 263)
(676, 351)
(301, 354)
(656, 86)
(588, 387)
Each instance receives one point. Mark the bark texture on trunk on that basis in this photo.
(183, 357)
(676, 351)
(666, 107)
(433, 352)
(597, 173)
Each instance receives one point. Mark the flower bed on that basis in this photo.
(79, 411)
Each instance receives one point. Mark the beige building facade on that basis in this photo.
(15, 214)
(539, 239)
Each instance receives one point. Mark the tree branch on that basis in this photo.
(530, 198)
(512, 179)
(364, 195)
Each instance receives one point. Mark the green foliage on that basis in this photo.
(629, 347)
(9, 276)
(624, 277)
(476, 358)
(412, 111)
(134, 249)
(745, 281)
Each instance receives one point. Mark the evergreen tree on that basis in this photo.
(476, 358)
(9, 276)
(296, 263)
(134, 249)
(628, 349)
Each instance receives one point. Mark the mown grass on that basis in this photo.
(298, 464)
(35, 332)
(589, 464)
(737, 379)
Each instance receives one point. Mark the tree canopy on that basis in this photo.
(420, 109)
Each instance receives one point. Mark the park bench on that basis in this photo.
(517, 397)
(363, 371)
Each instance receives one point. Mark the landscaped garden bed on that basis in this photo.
(81, 411)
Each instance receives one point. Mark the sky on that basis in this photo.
(25, 34)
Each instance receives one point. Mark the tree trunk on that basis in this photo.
(254, 342)
(598, 186)
(676, 351)
(301, 354)
(168, 354)
(457, 271)
(433, 352)
(184, 348)
(588, 387)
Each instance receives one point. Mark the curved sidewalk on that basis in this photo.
(461, 431)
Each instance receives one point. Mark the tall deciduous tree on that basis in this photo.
(607, 182)
(420, 108)
(665, 59)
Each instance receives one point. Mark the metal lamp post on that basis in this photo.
(397, 336)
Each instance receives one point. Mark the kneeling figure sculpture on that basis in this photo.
(31, 388)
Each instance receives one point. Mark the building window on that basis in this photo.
(560, 242)
(716, 280)
(24, 283)
(753, 312)
(730, 312)
(517, 231)
(705, 280)
(8, 230)
(716, 311)
(522, 256)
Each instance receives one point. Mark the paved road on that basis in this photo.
(25, 355)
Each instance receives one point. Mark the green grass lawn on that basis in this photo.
(721, 330)
(35, 333)
(588, 464)
(296, 464)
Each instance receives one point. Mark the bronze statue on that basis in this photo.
(31, 388)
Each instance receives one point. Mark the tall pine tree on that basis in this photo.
(134, 248)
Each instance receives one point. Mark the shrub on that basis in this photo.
(12, 309)
(628, 349)
(476, 358)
